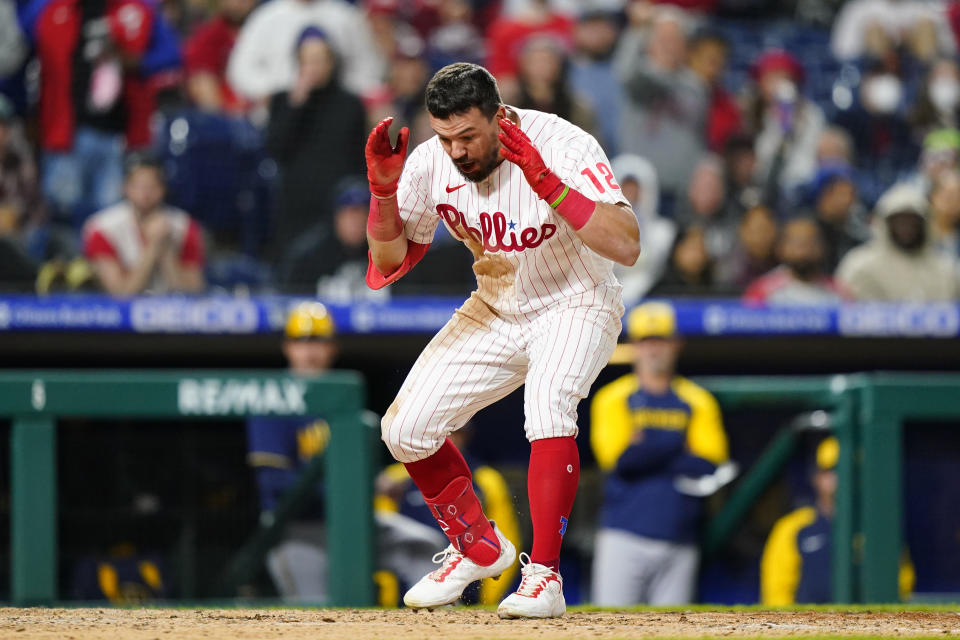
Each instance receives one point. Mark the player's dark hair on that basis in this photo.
(458, 87)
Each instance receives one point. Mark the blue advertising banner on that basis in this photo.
(256, 315)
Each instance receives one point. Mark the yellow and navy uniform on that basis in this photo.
(278, 448)
(682, 435)
(796, 568)
(494, 495)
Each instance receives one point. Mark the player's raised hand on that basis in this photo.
(519, 149)
(385, 161)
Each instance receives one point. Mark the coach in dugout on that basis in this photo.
(660, 439)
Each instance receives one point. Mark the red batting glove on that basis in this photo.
(518, 149)
(384, 161)
(572, 205)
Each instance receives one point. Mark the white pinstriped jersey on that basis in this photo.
(531, 258)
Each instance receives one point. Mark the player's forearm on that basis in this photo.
(612, 231)
(385, 236)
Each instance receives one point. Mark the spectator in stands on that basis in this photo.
(205, 58)
(707, 206)
(786, 125)
(262, 63)
(13, 46)
(883, 144)
(330, 260)
(900, 263)
(403, 95)
(835, 146)
(507, 35)
(740, 172)
(877, 28)
(142, 245)
(542, 82)
(707, 57)
(945, 214)
(592, 75)
(691, 269)
(800, 279)
(97, 62)
(456, 37)
(316, 134)
(397, 494)
(18, 201)
(941, 151)
(755, 251)
(660, 440)
(796, 563)
(638, 179)
(937, 104)
(280, 448)
(832, 200)
(664, 116)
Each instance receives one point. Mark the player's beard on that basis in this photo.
(484, 167)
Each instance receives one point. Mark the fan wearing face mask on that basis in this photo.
(883, 143)
(786, 125)
(938, 103)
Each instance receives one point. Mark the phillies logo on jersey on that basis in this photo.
(493, 232)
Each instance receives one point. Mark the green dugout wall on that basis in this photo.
(866, 411)
(34, 401)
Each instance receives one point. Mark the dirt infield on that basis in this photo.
(455, 624)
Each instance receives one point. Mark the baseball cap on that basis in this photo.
(942, 140)
(828, 453)
(778, 60)
(652, 320)
(310, 321)
(826, 176)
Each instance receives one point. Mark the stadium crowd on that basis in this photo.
(790, 153)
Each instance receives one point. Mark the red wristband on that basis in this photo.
(384, 223)
(572, 205)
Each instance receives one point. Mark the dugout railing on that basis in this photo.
(867, 412)
(35, 400)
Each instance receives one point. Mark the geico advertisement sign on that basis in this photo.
(908, 320)
(214, 397)
(194, 316)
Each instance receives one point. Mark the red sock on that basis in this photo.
(445, 481)
(551, 486)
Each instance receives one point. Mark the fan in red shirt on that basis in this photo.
(206, 54)
(140, 245)
(507, 36)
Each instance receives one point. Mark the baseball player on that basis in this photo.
(660, 439)
(534, 199)
(795, 566)
(280, 447)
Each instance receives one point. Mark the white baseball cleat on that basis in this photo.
(540, 594)
(445, 585)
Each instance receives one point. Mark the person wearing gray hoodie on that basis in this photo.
(638, 179)
(900, 263)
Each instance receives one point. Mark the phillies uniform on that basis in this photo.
(546, 311)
